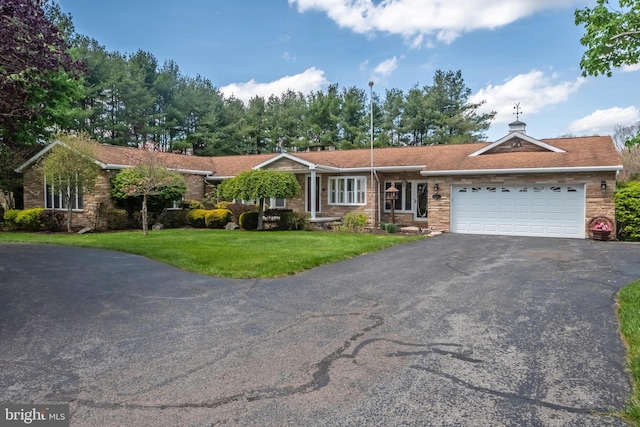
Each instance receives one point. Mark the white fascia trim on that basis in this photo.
(185, 171)
(44, 151)
(523, 170)
(416, 168)
(115, 167)
(39, 154)
(285, 156)
(521, 136)
(219, 178)
(193, 172)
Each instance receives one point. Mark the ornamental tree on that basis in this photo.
(70, 169)
(259, 185)
(37, 74)
(149, 177)
(612, 36)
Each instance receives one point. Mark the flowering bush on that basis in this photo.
(601, 225)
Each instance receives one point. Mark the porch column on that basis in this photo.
(313, 206)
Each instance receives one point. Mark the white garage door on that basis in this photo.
(521, 210)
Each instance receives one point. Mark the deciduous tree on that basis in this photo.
(149, 177)
(260, 185)
(70, 169)
(611, 38)
(35, 72)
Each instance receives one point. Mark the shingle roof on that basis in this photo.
(581, 152)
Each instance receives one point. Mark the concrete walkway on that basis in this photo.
(451, 331)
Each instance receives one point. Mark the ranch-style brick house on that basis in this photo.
(517, 185)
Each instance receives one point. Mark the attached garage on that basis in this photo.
(519, 210)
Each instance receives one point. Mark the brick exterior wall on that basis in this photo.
(598, 202)
(34, 194)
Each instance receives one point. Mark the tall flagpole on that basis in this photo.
(373, 210)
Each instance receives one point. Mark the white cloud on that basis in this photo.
(385, 68)
(308, 81)
(287, 57)
(413, 19)
(534, 91)
(603, 121)
(630, 68)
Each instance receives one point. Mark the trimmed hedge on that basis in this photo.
(627, 199)
(27, 220)
(197, 218)
(117, 219)
(293, 221)
(192, 204)
(11, 219)
(174, 218)
(217, 218)
(236, 209)
(52, 220)
(249, 220)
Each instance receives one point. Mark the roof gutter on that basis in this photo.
(522, 170)
(185, 171)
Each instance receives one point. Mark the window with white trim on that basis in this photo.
(403, 202)
(271, 203)
(54, 198)
(277, 203)
(348, 190)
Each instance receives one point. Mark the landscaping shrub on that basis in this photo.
(2, 212)
(217, 218)
(354, 222)
(11, 219)
(192, 204)
(293, 221)
(627, 200)
(174, 218)
(383, 226)
(249, 220)
(117, 219)
(391, 228)
(197, 218)
(29, 219)
(236, 209)
(52, 220)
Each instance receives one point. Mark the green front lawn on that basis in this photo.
(222, 253)
(629, 316)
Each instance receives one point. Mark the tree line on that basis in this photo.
(131, 99)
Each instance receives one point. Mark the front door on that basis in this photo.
(419, 202)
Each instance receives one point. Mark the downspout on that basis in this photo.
(375, 173)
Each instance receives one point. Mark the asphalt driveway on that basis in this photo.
(451, 331)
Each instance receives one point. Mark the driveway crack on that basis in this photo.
(507, 395)
(319, 378)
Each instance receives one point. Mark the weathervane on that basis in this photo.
(518, 112)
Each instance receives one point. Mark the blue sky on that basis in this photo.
(525, 51)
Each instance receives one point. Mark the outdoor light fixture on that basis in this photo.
(436, 187)
(603, 185)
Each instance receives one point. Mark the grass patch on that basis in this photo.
(629, 316)
(222, 253)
